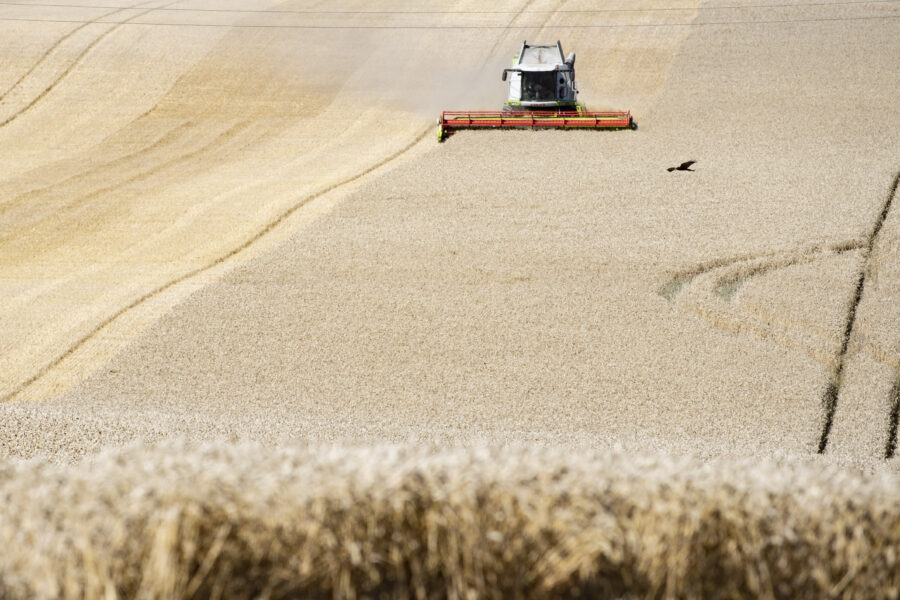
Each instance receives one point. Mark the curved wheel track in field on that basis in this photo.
(195, 272)
(83, 189)
(164, 140)
(724, 276)
(223, 137)
(45, 56)
(502, 35)
(710, 297)
(891, 445)
(74, 63)
(833, 391)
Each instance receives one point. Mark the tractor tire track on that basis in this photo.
(79, 59)
(221, 259)
(512, 21)
(168, 137)
(710, 299)
(783, 335)
(777, 321)
(738, 269)
(82, 341)
(681, 279)
(893, 422)
(233, 132)
(738, 276)
(770, 261)
(830, 396)
(226, 135)
(60, 41)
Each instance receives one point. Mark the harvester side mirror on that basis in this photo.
(503, 77)
(570, 59)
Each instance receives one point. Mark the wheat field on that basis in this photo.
(264, 336)
(237, 521)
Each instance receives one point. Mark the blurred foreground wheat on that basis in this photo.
(237, 521)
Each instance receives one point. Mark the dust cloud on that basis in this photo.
(389, 69)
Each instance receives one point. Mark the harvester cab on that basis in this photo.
(542, 95)
(541, 79)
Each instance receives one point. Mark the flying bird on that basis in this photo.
(685, 166)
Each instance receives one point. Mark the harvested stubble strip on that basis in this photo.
(239, 521)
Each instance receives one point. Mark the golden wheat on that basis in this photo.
(235, 521)
(534, 289)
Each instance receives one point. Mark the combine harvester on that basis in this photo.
(542, 94)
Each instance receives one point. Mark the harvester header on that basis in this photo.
(542, 94)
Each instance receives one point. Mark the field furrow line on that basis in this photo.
(503, 33)
(794, 338)
(893, 422)
(778, 321)
(737, 274)
(682, 279)
(165, 139)
(210, 265)
(79, 59)
(724, 274)
(834, 388)
(45, 56)
(229, 133)
(758, 263)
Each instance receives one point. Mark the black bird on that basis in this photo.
(685, 166)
